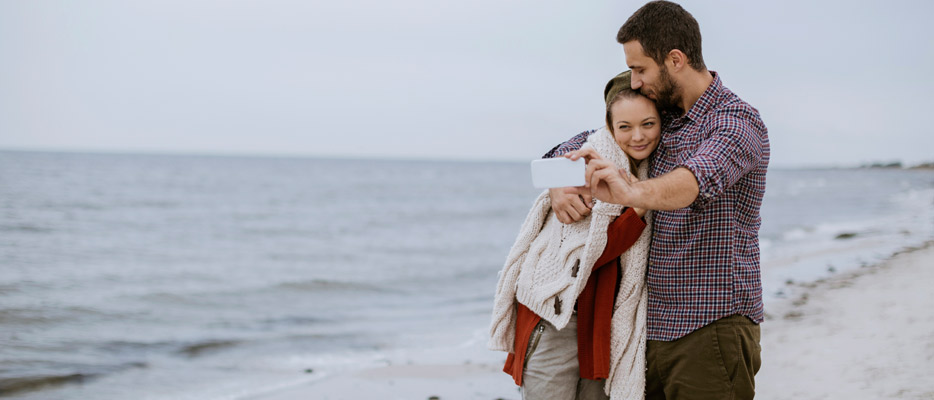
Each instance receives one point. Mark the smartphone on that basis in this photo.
(558, 172)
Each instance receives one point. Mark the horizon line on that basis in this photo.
(388, 157)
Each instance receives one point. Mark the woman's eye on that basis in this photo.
(648, 124)
(623, 127)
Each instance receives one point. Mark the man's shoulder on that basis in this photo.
(731, 102)
(731, 108)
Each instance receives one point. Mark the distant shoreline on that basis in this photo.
(898, 165)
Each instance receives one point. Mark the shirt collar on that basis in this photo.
(707, 100)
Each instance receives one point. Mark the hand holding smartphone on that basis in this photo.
(558, 172)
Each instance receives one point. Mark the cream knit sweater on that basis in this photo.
(550, 263)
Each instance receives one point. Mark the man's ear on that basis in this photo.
(676, 60)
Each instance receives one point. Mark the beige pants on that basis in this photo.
(552, 371)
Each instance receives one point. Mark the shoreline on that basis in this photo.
(865, 334)
(845, 336)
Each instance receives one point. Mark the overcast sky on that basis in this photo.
(837, 82)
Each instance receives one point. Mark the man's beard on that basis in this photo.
(668, 94)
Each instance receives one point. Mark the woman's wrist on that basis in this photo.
(639, 211)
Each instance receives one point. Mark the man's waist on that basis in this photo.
(683, 283)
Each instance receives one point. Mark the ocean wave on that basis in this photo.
(207, 347)
(34, 316)
(22, 287)
(14, 385)
(11, 386)
(71, 206)
(25, 228)
(330, 285)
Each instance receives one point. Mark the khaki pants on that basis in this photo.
(552, 371)
(718, 361)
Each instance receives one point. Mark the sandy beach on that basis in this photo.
(864, 335)
(868, 334)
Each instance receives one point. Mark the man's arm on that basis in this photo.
(674, 190)
(737, 146)
(572, 144)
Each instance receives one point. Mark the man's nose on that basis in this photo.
(636, 83)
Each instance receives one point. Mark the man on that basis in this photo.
(708, 180)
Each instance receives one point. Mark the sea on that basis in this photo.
(226, 277)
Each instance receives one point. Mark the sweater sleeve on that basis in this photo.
(621, 234)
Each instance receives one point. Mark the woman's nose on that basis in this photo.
(637, 135)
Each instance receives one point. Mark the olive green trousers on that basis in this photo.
(718, 362)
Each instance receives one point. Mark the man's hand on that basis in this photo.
(604, 180)
(570, 208)
(639, 211)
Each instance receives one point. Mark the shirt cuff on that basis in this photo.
(708, 181)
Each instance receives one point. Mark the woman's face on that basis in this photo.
(636, 126)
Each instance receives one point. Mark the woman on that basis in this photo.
(570, 302)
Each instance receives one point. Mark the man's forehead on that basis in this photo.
(635, 55)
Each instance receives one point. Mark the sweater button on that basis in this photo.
(557, 306)
(575, 268)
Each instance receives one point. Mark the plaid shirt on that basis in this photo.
(704, 259)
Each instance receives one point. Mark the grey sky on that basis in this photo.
(837, 82)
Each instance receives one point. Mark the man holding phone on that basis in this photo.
(707, 183)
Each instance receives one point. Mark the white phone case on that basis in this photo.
(558, 172)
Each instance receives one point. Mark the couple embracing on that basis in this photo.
(645, 283)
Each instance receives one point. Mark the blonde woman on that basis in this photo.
(570, 304)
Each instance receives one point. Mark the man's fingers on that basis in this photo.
(594, 181)
(588, 153)
(594, 166)
(603, 182)
(604, 174)
(592, 169)
(633, 178)
(628, 175)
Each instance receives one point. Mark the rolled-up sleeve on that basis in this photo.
(733, 149)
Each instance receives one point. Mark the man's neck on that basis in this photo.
(693, 87)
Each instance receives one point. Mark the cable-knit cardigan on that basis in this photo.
(550, 263)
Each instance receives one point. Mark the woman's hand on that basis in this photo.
(569, 208)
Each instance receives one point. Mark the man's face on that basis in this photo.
(649, 78)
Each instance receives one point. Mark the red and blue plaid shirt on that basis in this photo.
(704, 258)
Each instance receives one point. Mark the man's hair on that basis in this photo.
(662, 26)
